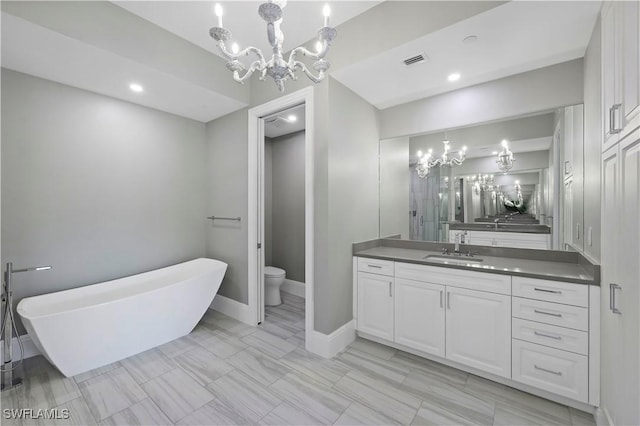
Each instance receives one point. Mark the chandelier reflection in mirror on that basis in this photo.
(425, 162)
(505, 158)
(276, 67)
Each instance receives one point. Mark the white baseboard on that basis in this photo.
(293, 287)
(232, 308)
(329, 345)
(30, 348)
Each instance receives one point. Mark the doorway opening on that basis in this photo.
(276, 177)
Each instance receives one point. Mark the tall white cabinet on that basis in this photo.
(621, 212)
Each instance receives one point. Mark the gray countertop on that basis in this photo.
(559, 266)
(502, 227)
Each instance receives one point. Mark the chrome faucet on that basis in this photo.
(456, 250)
(496, 221)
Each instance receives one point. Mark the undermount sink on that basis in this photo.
(458, 260)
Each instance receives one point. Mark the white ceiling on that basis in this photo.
(191, 20)
(280, 124)
(512, 38)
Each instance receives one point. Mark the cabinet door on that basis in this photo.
(628, 271)
(419, 315)
(375, 305)
(630, 58)
(478, 330)
(610, 70)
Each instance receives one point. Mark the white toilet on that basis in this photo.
(273, 279)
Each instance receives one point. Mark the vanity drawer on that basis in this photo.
(375, 266)
(551, 313)
(566, 339)
(560, 372)
(493, 283)
(551, 291)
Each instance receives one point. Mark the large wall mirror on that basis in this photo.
(533, 202)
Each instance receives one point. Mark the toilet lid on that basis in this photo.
(272, 271)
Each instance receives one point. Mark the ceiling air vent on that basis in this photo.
(417, 59)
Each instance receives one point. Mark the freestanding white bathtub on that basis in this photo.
(84, 328)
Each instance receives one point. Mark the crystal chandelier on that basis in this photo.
(425, 162)
(505, 158)
(276, 67)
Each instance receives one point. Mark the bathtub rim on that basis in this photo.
(20, 310)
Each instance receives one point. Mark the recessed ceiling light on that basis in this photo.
(454, 77)
(494, 153)
(136, 87)
(292, 118)
(470, 39)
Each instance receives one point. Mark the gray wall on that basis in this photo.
(353, 197)
(96, 187)
(540, 90)
(286, 241)
(226, 195)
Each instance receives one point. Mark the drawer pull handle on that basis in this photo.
(441, 299)
(537, 333)
(547, 313)
(557, 373)
(448, 300)
(374, 266)
(390, 294)
(612, 298)
(547, 291)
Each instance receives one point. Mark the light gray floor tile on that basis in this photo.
(358, 414)
(386, 398)
(434, 370)
(286, 414)
(519, 403)
(273, 346)
(298, 339)
(218, 321)
(247, 397)
(509, 415)
(202, 365)
(46, 390)
(259, 366)
(144, 412)
(222, 345)
(200, 332)
(215, 413)
(426, 415)
(580, 418)
(79, 414)
(374, 366)
(280, 330)
(96, 372)
(327, 371)
(111, 392)
(177, 394)
(372, 348)
(311, 397)
(177, 347)
(148, 365)
(443, 400)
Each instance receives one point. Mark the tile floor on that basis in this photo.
(226, 372)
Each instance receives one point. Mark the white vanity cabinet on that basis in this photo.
(478, 330)
(419, 315)
(375, 297)
(463, 316)
(538, 333)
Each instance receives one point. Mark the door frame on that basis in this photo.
(255, 193)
